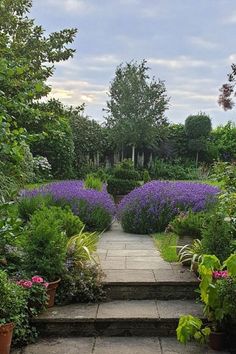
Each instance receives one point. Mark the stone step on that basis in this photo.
(116, 318)
(114, 345)
(175, 284)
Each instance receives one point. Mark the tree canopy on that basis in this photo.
(136, 106)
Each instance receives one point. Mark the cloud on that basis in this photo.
(203, 43)
(178, 63)
(232, 58)
(231, 19)
(72, 6)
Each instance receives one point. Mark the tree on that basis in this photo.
(136, 107)
(198, 128)
(26, 62)
(228, 90)
(224, 138)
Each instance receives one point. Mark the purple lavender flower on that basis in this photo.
(151, 207)
(73, 192)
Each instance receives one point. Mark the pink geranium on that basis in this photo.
(220, 274)
(45, 284)
(37, 279)
(25, 283)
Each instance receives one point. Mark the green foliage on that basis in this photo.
(45, 246)
(225, 173)
(174, 170)
(10, 230)
(188, 224)
(191, 327)
(167, 243)
(217, 291)
(191, 253)
(146, 176)
(27, 206)
(198, 126)
(224, 137)
(97, 219)
(136, 106)
(81, 285)
(217, 236)
(125, 178)
(14, 308)
(118, 186)
(81, 247)
(92, 182)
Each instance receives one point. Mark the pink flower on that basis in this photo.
(37, 279)
(45, 284)
(25, 283)
(220, 274)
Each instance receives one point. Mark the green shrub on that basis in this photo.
(127, 174)
(92, 182)
(69, 223)
(45, 245)
(173, 170)
(13, 308)
(188, 224)
(81, 285)
(146, 176)
(217, 237)
(97, 219)
(27, 206)
(121, 186)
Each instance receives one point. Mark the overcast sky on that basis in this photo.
(187, 43)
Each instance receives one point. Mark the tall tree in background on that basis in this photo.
(198, 128)
(136, 106)
(27, 60)
(228, 90)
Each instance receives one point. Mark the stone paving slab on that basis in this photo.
(129, 276)
(70, 312)
(122, 251)
(128, 309)
(175, 308)
(124, 309)
(114, 345)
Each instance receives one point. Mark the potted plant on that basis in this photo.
(12, 310)
(45, 249)
(218, 305)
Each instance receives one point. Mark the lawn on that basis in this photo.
(166, 245)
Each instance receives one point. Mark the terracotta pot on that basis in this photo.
(217, 340)
(6, 331)
(51, 292)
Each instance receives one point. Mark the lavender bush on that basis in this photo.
(150, 208)
(95, 208)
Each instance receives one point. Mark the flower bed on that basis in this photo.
(95, 208)
(150, 208)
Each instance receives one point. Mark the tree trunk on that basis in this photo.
(122, 153)
(197, 159)
(133, 154)
(98, 158)
(150, 160)
(142, 159)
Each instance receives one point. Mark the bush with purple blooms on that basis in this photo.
(95, 208)
(150, 208)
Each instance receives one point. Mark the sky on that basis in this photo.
(188, 44)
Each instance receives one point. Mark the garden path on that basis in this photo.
(128, 257)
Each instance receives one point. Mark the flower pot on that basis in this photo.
(51, 292)
(217, 340)
(6, 331)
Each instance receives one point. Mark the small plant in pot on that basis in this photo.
(219, 304)
(12, 310)
(45, 249)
